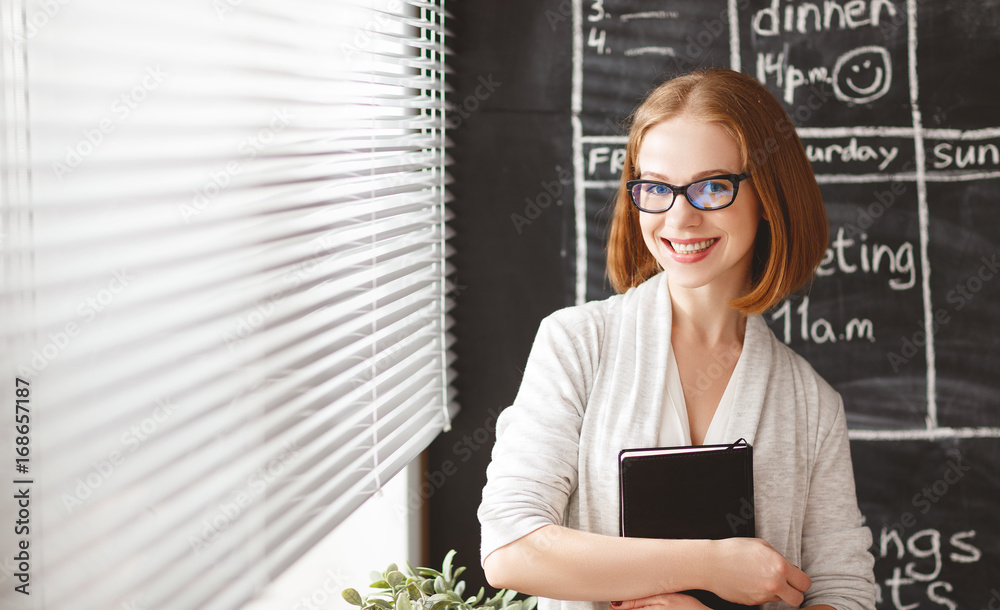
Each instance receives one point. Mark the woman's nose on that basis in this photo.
(682, 213)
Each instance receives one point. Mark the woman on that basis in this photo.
(718, 219)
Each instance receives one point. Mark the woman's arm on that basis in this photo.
(562, 563)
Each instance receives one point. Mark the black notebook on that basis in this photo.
(695, 492)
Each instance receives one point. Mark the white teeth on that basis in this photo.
(692, 248)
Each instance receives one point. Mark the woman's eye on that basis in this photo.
(658, 190)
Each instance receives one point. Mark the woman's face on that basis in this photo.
(696, 247)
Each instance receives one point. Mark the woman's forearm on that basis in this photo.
(562, 563)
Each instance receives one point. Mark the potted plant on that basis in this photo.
(428, 589)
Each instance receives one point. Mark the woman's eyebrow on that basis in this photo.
(695, 178)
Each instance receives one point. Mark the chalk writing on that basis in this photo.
(917, 564)
(806, 17)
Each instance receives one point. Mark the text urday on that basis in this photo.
(21, 528)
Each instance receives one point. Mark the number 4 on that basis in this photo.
(597, 40)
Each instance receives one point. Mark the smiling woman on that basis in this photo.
(696, 264)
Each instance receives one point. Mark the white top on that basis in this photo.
(594, 384)
(675, 428)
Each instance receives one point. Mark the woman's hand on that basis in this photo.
(669, 601)
(749, 571)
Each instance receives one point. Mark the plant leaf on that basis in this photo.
(395, 579)
(495, 600)
(508, 595)
(429, 572)
(479, 596)
(413, 589)
(446, 569)
(381, 603)
(438, 600)
(427, 587)
(440, 585)
(380, 584)
(460, 588)
(352, 597)
(530, 603)
(403, 601)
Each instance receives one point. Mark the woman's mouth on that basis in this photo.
(692, 247)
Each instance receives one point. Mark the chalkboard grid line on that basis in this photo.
(859, 131)
(920, 434)
(734, 37)
(580, 193)
(923, 214)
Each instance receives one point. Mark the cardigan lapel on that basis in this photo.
(751, 382)
(643, 339)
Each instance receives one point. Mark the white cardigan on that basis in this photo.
(594, 384)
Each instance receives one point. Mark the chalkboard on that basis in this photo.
(896, 104)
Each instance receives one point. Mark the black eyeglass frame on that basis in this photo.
(682, 190)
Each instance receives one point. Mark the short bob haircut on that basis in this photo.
(792, 239)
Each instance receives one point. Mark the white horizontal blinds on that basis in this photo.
(234, 254)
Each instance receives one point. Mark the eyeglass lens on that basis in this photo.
(705, 194)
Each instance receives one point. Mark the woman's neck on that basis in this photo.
(704, 316)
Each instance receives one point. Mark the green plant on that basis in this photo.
(427, 589)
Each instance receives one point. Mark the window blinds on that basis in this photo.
(225, 284)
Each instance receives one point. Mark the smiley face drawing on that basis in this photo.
(862, 75)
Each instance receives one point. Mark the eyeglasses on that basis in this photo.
(713, 193)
